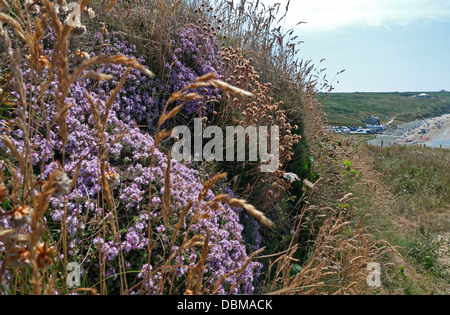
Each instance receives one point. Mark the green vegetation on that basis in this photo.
(87, 176)
(400, 194)
(417, 216)
(420, 175)
(353, 108)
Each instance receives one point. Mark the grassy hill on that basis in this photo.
(352, 108)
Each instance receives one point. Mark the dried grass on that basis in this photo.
(337, 262)
(34, 251)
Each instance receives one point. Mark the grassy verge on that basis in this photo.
(405, 193)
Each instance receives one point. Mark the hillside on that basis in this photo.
(95, 197)
(101, 194)
(352, 108)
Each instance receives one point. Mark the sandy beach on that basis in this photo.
(428, 131)
(432, 132)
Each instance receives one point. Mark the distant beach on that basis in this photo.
(432, 132)
(442, 139)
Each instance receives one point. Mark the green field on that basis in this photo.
(351, 109)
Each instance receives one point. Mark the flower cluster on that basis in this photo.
(196, 54)
(135, 173)
(142, 99)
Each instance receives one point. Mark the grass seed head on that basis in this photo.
(44, 255)
(78, 31)
(21, 215)
(19, 257)
(113, 178)
(32, 7)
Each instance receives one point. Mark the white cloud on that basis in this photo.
(336, 14)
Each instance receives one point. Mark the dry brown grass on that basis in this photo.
(390, 222)
(339, 246)
(338, 264)
(150, 24)
(31, 30)
(35, 249)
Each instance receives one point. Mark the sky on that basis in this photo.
(383, 45)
